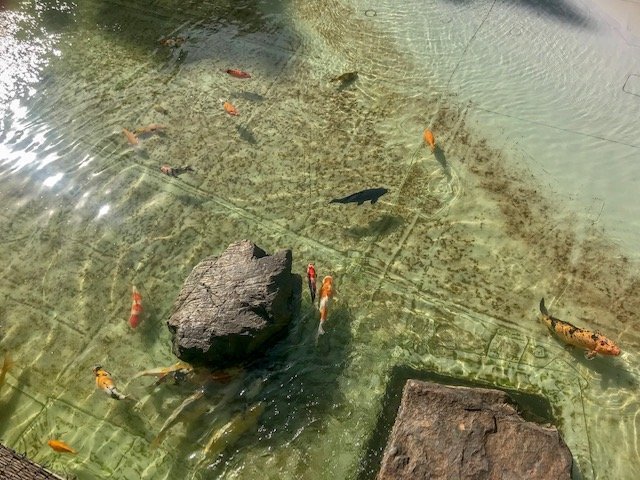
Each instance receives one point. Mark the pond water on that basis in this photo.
(531, 193)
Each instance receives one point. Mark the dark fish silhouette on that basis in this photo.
(371, 194)
(345, 77)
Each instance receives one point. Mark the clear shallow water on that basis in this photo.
(444, 274)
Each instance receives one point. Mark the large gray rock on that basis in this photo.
(232, 306)
(469, 433)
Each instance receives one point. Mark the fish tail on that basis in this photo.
(336, 200)
(543, 309)
(115, 394)
(320, 329)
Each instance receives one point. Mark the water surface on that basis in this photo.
(444, 274)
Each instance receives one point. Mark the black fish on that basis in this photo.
(371, 194)
(348, 77)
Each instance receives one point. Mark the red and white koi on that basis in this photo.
(136, 307)
(175, 171)
(592, 342)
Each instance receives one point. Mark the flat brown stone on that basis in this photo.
(445, 432)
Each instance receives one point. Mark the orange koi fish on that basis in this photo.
(105, 383)
(429, 139)
(60, 446)
(326, 295)
(131, 137)
(136, 307)
(230, 109)
(311, 280)
(238, 73)
(592, 342)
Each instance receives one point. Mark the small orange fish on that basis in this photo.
(311, 280)
(131, 137)
(429, 139)
(238, 73)
(60, 446)
(105, 383)
(326, 295)
(136, 308)
(230, 109)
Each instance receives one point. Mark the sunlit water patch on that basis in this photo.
(443, 274)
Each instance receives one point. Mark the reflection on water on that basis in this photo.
(443, 274)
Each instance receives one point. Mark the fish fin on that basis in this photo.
(362, 202)
(543, 309)
(161, 379)
(374, 200)
(590, 354)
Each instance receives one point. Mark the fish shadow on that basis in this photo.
(345, 85)
(612, 372)
(442, 160)
(298, 380)
(8, 405)
(380, 226)
(246, 134)
(251, 96)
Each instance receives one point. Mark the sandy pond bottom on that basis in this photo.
(443, 275)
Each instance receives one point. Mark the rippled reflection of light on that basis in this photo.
(103, 210)
(23, 50)
(52, 180)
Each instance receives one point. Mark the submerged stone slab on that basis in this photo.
(232, 306)
(445, 432)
